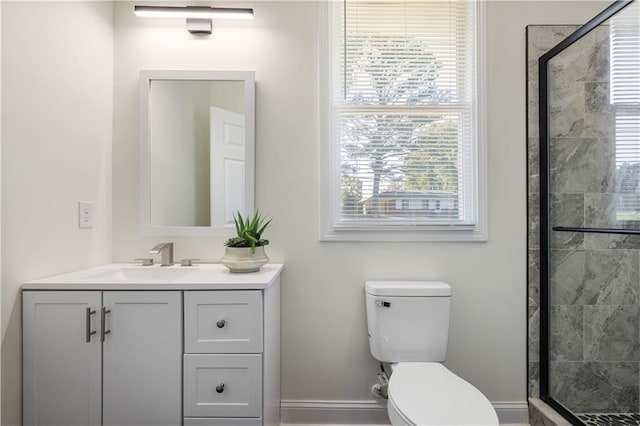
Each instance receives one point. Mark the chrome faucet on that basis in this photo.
(166, 249)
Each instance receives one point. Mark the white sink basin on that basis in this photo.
(142, 273)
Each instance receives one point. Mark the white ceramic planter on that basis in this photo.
(241, 259)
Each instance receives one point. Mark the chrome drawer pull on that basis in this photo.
(104, 313)
(220, 388)
(89, 332)
(221, 323)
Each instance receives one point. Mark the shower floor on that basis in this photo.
(610, 419)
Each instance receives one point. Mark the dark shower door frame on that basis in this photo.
(545, 232)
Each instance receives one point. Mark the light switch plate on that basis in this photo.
(85, 214)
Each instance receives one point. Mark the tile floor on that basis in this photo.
(610, 419)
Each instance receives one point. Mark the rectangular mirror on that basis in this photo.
(197, 150)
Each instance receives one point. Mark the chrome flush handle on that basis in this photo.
(383, 303)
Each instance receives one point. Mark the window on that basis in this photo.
(402, 121)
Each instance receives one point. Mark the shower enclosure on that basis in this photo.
(590, 220)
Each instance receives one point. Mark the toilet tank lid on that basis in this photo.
(408, 288)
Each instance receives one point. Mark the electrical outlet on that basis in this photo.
(85, 214)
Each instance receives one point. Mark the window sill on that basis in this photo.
(405, 235)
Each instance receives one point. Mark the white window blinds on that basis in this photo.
(404, 114)
(624, 39)
(625, 56)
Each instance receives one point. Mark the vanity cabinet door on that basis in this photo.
(142, 353)
(61, 358)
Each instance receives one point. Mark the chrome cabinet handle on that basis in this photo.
(88, 332)
(221, 323)
(103, 315)
(220, 388)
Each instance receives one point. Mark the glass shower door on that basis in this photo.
(591, 212)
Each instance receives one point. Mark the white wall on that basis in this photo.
(57, 91)
(325, 350)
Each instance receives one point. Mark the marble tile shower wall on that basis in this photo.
(540, 38)
(594, 278)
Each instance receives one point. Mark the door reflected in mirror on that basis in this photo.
(198, 150)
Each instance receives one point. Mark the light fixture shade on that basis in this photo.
(193, 12)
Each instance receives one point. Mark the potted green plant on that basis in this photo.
(245, 252)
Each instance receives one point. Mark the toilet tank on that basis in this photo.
(408, 321)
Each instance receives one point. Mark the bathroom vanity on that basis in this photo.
(150, 345)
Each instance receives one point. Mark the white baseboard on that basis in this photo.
(334, 412)
(374, 412)
(512, 412)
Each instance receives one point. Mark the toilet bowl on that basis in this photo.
(427, 393)
(408, 327)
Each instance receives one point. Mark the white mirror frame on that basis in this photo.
(146, 77)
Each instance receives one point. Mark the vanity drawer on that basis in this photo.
(222, 385)
(223, 321)
(206, 421)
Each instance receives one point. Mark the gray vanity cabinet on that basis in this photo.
(102, 357)
(104, 347)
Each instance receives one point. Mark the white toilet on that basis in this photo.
(408, 324)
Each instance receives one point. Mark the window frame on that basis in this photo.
(329, 156)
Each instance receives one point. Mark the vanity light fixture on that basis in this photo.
(198, 17)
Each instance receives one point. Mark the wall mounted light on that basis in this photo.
(198, 17)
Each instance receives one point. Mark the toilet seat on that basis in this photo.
(427, 393)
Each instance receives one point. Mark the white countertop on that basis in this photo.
(128, 276)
